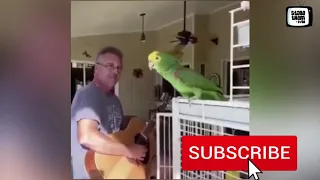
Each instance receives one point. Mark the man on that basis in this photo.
(95, 111)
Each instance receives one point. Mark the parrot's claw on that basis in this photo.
(189, 101)
(192, 98)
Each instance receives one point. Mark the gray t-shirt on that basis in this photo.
(91, 103)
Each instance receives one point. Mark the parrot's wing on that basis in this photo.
(194, 79)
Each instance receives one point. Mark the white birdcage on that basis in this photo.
(200, 117)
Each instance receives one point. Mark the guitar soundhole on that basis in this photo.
(139, 139)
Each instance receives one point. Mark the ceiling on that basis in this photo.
(107, 17)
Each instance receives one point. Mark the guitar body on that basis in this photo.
(101, 166)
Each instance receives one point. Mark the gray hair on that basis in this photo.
(112, 50)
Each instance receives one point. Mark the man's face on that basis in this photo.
(108, 69)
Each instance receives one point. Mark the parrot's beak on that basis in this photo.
(150, 65)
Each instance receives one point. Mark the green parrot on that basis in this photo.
(187, 82)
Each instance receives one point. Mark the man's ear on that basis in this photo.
(95, 68)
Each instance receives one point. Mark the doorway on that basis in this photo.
(80, 76)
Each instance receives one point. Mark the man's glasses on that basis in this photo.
(111, 67)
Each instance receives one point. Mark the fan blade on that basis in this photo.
(174, 41)
(193, 40)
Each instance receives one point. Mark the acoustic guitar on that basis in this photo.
(102, 166)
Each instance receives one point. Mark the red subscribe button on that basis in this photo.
(231, 153)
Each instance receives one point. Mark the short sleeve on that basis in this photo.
(84, 108)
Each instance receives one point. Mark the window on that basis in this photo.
(244, 34)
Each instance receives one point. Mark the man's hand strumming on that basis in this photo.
(137, 152)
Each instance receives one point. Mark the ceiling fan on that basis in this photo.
(184, 37)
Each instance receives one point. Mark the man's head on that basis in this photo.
(108, 66)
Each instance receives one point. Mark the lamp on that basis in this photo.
(143, 36)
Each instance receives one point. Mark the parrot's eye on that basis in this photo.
(157, 58)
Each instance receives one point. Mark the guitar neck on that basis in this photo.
(152, 122)
(149, 128)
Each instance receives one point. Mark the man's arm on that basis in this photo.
(85, 111)
(90, 137)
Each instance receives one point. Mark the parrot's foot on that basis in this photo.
(189, 101)
(197, 95)
(192, 98)
(184, 95)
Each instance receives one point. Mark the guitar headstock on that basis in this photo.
(165, 99)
